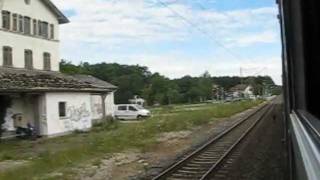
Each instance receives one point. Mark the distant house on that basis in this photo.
(137, 100)
(217, 92)
(52, 102)
(242, 91)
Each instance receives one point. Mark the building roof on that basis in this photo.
(61, 17)
(93, 80)
(239, 87)
(22, 80)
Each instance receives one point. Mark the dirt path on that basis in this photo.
(144, 165)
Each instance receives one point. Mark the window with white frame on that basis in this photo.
(14, 22)
(6, 20)
(20, 23)
(28, 59)
(46, 61)
(51, 31)
(27, 25)
(7, 56)
(34, 27)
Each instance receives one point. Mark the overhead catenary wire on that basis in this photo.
(259, 72)
(195, 26)
(256, 71)
(221, 12)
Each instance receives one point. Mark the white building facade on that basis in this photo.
(29, 25)
(52, 102)
(242, 91)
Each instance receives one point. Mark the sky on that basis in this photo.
(175, 37)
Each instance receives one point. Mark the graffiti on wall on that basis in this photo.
(78, 118)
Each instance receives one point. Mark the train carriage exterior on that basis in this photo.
(300, 22)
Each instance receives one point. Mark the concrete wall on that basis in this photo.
(110, 107)
(42, 115)
(96, 106)
(78, 107)
(42, 111)
(19, 42)
(17, 107)
(25, 105)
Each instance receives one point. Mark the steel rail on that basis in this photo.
(223, 158)
(179, 164)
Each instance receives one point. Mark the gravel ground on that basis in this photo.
(263, 158)
(134, 164)
(180, 144)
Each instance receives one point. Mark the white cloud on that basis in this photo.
(115, 24)
(253, 38)
(123, 21)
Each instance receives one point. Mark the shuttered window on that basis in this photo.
(45, 30)
(39, 28)
(6, 20)
(21, 23)
(7, 56)
(28, 59)
(27, 25)
(34, 27)
(15, 22)
(46, 61)
(51, 31)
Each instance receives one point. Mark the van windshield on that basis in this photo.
(138, 107)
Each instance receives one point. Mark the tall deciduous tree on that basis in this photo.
(156, 88)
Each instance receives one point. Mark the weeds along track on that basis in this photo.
(204, 161)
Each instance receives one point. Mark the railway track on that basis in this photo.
(219, 152)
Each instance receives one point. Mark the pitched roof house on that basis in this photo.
(242, 91)
(54, 103)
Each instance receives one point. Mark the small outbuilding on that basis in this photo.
(52, 102)
(242, 91)
(137, 100)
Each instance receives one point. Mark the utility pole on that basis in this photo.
(241, 74)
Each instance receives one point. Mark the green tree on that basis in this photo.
(155, 88)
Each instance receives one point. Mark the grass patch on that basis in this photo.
(49, 155)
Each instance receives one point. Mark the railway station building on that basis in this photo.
(52, 102)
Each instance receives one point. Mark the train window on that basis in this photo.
(311, 29)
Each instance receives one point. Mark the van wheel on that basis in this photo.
(139, 117)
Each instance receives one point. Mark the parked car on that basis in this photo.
(228, 99)
(131, 111)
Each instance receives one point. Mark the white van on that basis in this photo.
(130, 111)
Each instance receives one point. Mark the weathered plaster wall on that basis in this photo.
(16, 107)
(110, 106)
(1, 5)
(96, 107)
(21, 105)
(42, 111)
(78, 107)
(42, 115)
(20, 42)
